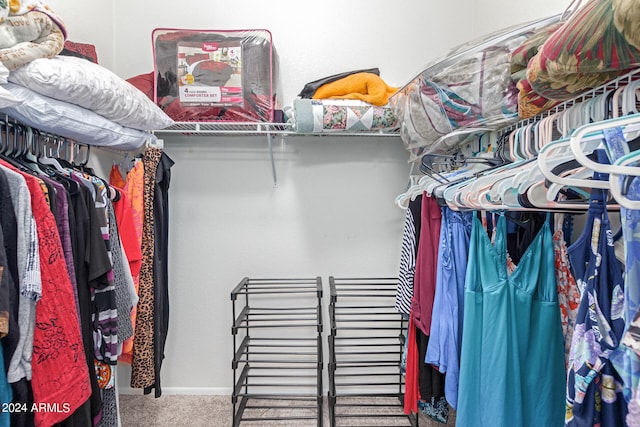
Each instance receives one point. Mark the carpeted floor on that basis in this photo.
(216, 411)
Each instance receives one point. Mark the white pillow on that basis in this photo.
(72, 121)
(93, 87)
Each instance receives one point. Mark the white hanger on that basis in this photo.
(587, 134)
(576, 175)
(558, 152)
(616, 100)
(629, 98)
(46, 160)
(537, 196)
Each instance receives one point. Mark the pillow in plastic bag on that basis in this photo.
(598, 43)
(475, 92)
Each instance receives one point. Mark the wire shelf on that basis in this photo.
(255, 129)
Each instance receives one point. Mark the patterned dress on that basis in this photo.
(568, 292)
(594, 388)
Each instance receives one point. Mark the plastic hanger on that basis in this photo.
(536, 198)
(29, 156)
(556, 153)
(586, 135)
(616, 100)
(629, 98)
(47, 160)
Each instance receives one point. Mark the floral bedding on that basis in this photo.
(598, 43)
(336, 115)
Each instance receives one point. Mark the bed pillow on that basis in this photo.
(93, 87)
(72, 121)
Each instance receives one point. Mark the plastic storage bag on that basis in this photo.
(215, 75)
(470, 90)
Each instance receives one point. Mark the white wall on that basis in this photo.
(491, 15)
(332, 212)
(313, 41)
(89, 22)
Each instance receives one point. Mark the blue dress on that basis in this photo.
(443, 350)
(594, 388)
(512, 363)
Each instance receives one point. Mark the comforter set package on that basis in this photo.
(215, 75)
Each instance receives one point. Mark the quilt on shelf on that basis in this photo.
(339, 115)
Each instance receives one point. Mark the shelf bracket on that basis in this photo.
(273, 163)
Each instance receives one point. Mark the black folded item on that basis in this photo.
(310, 88)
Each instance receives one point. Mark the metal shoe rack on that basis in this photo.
(365, 353)
(277, 359)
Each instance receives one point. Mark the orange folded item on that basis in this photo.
(366, 87)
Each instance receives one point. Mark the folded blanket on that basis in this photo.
(340, 115)
(24, 38)
(366, 87)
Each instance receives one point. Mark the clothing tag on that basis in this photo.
(615, 143)
(156, 143)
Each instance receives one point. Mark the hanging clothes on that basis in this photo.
(424, 287)
(134, 191)
(92, 266)
(59, 375)
(568, 292)
(6, 395)
(594, 388)
(404, 291)
(431, 382)
(10, 284)
(160, 265)
(19, 372)
(411, 389)
(448, 307)
(512, 364)
(631, 341)
(143, 373)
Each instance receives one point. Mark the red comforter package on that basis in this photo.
(215, 75)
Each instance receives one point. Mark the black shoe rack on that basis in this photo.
(365, 353)
(277, 355)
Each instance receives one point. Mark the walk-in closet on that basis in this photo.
(319, 213)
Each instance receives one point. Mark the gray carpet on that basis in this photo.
(216, 411)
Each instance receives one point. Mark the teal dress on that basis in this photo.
(512, 361)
